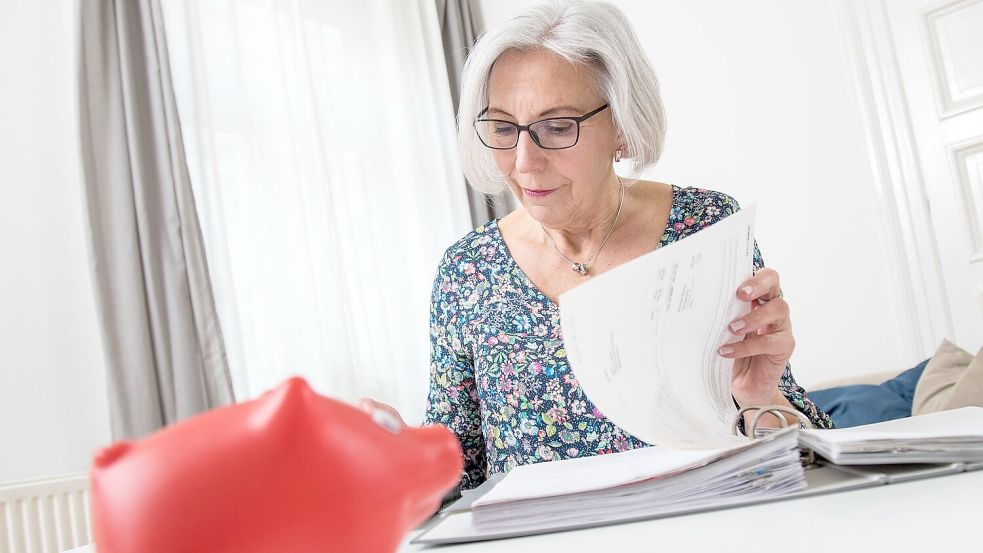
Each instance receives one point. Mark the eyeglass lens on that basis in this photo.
(550, 133)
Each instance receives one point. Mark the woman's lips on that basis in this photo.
(537, 193)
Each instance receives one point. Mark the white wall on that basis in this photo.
(762, 104)
(53, 409)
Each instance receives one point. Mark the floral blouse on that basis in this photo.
(500, 379)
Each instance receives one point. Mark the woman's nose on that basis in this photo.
(529, 156)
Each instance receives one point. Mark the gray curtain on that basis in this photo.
(164, 350)
(459, 28)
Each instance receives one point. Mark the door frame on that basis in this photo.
(898, 176)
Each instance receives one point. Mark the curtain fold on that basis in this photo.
(165, 353)
(460, 27)
(320, 142)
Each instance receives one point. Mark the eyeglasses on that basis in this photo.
(555, 133)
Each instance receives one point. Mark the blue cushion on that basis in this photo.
(866, 403)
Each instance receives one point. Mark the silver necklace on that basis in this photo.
(583, 268)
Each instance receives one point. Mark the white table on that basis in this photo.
(944, 513)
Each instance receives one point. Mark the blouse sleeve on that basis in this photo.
(795, 394)
(452, 399)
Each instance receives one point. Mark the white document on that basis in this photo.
(589, 488)
(642, 339)
(600, 472)
(632, 485)
(942, 437)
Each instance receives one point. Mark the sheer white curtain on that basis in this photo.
(320, 139)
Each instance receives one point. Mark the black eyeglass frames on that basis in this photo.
(554, 133)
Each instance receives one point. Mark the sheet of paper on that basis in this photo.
(688, 472)
(642, 338)
(966, 422)
(593, 473)
(954, 436)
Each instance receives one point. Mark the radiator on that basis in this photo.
(45, 516)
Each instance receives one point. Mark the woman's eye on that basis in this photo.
(559, 128)
(504, 130)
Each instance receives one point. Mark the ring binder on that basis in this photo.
(954, 440)
(808, 456)
(776, 410)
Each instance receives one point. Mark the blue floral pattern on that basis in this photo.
(499, 373)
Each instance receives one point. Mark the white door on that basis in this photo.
(925, 58)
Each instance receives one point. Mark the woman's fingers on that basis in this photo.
(768, 343)
(764, 285)
(778, 346)
(365, 404)
(769, 317)
(372, 407)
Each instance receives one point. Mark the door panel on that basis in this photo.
(939, 56)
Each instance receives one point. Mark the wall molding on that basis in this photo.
(949, 100)
(969, 189)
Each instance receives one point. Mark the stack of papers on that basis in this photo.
(637, 484)
(945, 437)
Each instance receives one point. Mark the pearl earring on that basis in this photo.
(617, 155)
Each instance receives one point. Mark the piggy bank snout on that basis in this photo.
(109, 455)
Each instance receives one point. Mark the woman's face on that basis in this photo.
(559, 188)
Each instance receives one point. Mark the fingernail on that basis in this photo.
(737, 325)
(725, 350)
(748, 290)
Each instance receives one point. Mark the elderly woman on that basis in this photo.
(552, 102)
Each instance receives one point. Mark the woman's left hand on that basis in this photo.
(760, 358)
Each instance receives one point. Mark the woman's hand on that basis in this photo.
(382, 413)
(760, 358)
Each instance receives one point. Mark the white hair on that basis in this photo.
(595, 34)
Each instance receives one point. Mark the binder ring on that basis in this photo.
(776, 410)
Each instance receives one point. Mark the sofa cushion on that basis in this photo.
(866, 403)
(952, 379)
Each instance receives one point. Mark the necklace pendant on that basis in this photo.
(580, 268)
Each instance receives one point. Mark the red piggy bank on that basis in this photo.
(291, 471)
